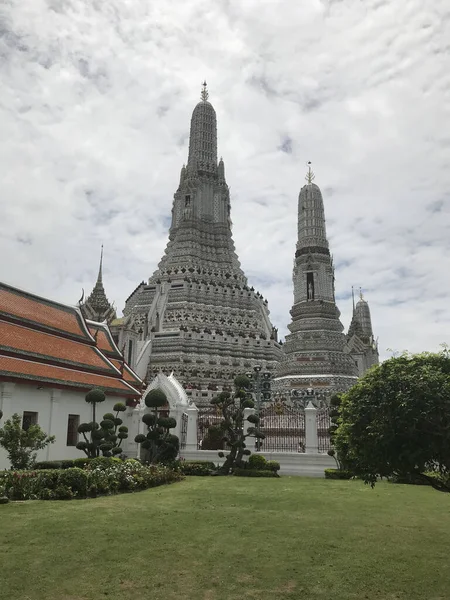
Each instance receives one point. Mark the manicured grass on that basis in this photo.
(215, 538)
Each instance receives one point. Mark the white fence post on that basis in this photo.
(312, 442)
(250, 441)
(191, 436)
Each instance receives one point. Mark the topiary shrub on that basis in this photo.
(4, 500)
(338, 474)
(254, 473)
(105, 437)
(257, 461)
(273, 465)
(159, 444)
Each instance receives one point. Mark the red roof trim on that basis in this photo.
(18, 369)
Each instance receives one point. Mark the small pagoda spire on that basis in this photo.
(204, 95)
(100, 270)
(310, 174)
(361, 297)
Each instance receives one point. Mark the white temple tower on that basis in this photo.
(200, 319)
(315, 350)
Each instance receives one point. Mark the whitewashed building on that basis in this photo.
(50, 357)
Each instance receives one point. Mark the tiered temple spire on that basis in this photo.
(361, 343)
(97, 307)
(314, 353)
(204, 322)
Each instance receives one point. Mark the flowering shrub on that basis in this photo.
(95, 479)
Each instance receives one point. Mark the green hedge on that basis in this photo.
(413, 479)
(197, 467)
(92, 481)
(338, 474)
(254, 473)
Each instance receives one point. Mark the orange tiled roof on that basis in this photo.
(17, 368)
(128, 374)
(29, 309)
(104, 342)
(31, 344)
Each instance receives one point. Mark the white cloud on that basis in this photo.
(95, 106)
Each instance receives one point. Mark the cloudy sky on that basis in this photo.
(95, 103)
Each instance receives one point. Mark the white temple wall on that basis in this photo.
(53, 407)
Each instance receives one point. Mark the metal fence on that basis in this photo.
(183, 431)
(323, 426)
(283, 427)
(208, 416)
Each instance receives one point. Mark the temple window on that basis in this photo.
(73, 422)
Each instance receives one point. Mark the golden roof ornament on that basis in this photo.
(310, 174)
(204, 95)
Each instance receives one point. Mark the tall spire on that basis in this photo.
(204, 95)
(100, 273)
(203, 137)
(311, 218)
(315, 347)
(310, 174)
(353, 299)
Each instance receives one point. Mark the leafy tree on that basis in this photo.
(396, 421)
(21, 445)
(341, 459)
(159, 443)
(107, 436)
(232, 407)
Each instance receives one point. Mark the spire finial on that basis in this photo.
(309, 175)
(361, 297)
(353, 298)
(204, 95)
(99, 278)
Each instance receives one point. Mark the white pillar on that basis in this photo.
(55, 428)
(177, 413)
(191, 437)
(312, 443)
(132, 421)
(250, 441)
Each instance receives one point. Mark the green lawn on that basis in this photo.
(216, 538)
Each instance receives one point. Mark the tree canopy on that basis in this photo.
(396, 420)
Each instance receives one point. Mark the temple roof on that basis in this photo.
(50, 343)
(20, 307)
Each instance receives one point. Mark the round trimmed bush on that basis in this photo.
(257, 461)
(242, 381)
(155, 399)
(119, 407)
(94, 396)
(149, 419)
(253, 419)
(75, 479)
